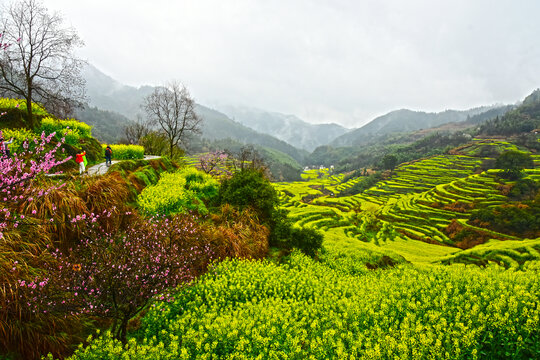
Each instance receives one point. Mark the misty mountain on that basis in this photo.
(217, 125)
(106, 93)
(107, 126)
(288, 128)
(404, 120)
(113, 98)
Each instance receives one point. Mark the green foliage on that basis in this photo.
(524, 189)
(518, 219)
(362, 185)
(304, 309)
(125, 152)
(389, 161)
(286, 235)
(307, 240)
(523, 119)
(184, 190)
(250, 188)
(513, 162)
(10, 104)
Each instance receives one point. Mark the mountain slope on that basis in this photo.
(404, 120)
(107, 126)
(108, 94)
(217, 125)
(288, 128)
(525, 118)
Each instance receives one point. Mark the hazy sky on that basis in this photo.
(324, 61)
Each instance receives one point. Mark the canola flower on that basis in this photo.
(70, 128)
(7, 104)
(125, 152)
(179, 192)
(305, 310)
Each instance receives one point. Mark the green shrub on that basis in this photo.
(513, 162)
(307, 240)
(286, 235)
(250, 188)
(524, 189)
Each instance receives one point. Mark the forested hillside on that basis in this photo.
(523, 119)
(402, 121)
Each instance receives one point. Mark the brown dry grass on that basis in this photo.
(29, 244)
(22, 332)
(234, 233)
(60, 205)
(106, 192)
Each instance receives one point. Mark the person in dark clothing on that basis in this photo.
(108, 155)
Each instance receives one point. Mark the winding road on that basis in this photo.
(101, 168)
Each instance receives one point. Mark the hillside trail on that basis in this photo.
(102, 168)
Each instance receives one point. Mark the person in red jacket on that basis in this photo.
(79, 158)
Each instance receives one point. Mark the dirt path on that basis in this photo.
(100, 169)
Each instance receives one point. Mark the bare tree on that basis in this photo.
(250, 158)
(172, 109)
(136, 130)
(39, 64)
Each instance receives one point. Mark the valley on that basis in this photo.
(408, 214)
(269, 180)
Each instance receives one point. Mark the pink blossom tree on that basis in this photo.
(116, 274)
(19, 171)
(217, 163)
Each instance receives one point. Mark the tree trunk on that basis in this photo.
(121, 332)
(30, 120)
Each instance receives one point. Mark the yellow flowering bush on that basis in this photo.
(19, 136)
(71, 129)
(187, 189)
(8, 104)
(125, 152)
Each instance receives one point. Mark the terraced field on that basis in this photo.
(408, 215)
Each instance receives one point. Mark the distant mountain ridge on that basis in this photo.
(404, 120)
(289, 128)
(109, 95)
(217, 125)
